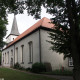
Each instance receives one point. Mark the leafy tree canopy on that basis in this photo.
(65, 14)
(66, 17)
(7, 6)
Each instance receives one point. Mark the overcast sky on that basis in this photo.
(24, 21)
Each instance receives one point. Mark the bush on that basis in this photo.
(38, 67)
(21, 68)
(48, 66)
(28, 69)
(17, 66)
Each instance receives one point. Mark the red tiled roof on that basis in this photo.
(44, 22)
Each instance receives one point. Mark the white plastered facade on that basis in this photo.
(55, 59)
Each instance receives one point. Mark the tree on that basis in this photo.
(7, 6)
(60, 40)
(3, 21)
(67, 14)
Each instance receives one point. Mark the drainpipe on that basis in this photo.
(40, 45)
(14, 54)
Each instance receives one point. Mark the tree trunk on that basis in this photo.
(76, 62)
(74, 38)
(76, 73)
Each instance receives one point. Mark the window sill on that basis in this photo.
(71, 66)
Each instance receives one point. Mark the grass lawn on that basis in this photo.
(60, 72)
(9, 74)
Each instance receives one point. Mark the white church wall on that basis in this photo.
(8, 39)
(35, 39)
(6, 57)
(11, 38)
(50, 56)
(47, 56)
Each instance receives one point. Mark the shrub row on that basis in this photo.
(36, 67)
(18, 66)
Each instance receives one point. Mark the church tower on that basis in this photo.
(14, 31)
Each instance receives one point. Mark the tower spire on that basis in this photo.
(14, 30)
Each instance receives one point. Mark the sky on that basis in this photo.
(24, 21)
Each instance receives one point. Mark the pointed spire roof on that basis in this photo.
(14, 30)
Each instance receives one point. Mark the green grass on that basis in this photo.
(9, 74)
(59, 72)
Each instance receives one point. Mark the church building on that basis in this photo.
(31, 47)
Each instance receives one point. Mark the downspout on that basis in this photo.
(40, 45)
(14, 54)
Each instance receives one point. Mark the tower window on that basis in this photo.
(13, 38)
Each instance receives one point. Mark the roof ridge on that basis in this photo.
(43, 20)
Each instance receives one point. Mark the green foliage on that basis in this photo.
(66, 16)
(28, 69)
(17, 66)
(61, 41)
(38, 67)
(4, 9)
(8, 6)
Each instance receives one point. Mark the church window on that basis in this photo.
(11, 52)
(8, 57)
(22, 47)
(5, 58)
(70, 62)
(13, 38)
(16, 54)
(30, 52)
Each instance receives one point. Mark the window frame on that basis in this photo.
(17, 53)
(5, 58)
(8, 57)
(22, 47)
(70, 62)
(30, 52)
(11, 52)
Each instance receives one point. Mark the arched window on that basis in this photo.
(5, 58)
(22, 50)
(30, 52)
